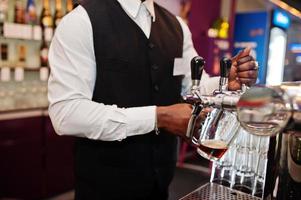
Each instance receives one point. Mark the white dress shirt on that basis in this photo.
(73, 75)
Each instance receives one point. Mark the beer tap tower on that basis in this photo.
(197, 66)
(273, 113)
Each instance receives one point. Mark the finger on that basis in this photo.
(245, 59)
(242, 53)
(207, 110)
(248, 74)
(197, 127)
(202, 115)
(247, 81)
(251, 65)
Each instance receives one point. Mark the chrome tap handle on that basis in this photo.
(197, 108)
(197, 66)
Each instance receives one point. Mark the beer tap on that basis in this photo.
(213, 118)
(197, 67)
(225, 67)
(221, 98)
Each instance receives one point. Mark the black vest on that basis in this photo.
(132, 71)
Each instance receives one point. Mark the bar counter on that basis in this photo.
(213, 191)
(23, 113)
(35, 162)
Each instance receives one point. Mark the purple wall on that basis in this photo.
(203, 14)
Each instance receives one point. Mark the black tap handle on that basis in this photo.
(225, 67)
(197, 65)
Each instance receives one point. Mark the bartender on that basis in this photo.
(118, 68)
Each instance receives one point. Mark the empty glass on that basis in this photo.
(249, 163)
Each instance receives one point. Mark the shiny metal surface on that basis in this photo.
(220, 100)
(212, 191)
(263, 111)
(266, 111)
(293, 91)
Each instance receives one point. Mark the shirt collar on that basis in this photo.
(132, 7)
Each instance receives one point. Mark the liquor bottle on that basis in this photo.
(44, 69)
(44, 53)
(58, 13)
(3, 54)
(46, 21)
(19, 12)
(21, 56)
(31, 13)
(21, 64)
(293, 184)
(3, 14)
(69, 6)
(289, 175)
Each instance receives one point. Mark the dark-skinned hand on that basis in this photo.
(244, 70)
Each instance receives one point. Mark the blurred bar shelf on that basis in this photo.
(21, 114)
(22, 32)
(25, 95)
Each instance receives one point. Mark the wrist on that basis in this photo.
(160, 116)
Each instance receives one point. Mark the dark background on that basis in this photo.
(294, 3)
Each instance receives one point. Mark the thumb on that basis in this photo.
(242, 53)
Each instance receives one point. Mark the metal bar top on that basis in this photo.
(213, 191)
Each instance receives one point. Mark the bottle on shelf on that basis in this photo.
(19, 12)
(4, 69)
(3, 14)
(46, 21)
(21, 64)
(31, 13)
(44, 69)
(21, 56)
(5, 74)
(44, 53)
(69, 6)
(3, 54)
(58, 13)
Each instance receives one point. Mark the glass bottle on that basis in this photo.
(44, 53)
(58, 13)
(46, 21)
(31, 13)
(19, 12)
(69, 6)
(3, 14)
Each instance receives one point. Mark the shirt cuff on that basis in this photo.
(140, 120)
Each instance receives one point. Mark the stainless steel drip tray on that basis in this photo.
(213, 191)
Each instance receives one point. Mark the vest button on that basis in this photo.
(156, 88)
(151, 45)
(155, 67)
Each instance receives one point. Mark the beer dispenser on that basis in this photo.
(259, 131)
